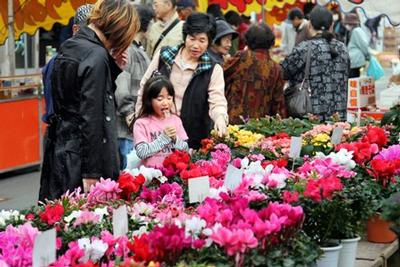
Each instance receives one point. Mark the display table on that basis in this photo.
(375, 255)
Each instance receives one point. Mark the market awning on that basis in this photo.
(30, 15)
(275, 10)
(371, 8)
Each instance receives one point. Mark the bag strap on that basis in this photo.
(164, 33)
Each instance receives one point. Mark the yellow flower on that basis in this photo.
(321, 139)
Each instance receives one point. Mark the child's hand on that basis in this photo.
(170, 131)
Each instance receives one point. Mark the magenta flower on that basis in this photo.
(117, 246)
(103, 191)
(221, 155)
(237, 162)
(166, 193)
(71, 257)
(234, 241)
(16, 244)
(325, 168)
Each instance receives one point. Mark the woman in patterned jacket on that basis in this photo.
(254, 84)
(329, 66)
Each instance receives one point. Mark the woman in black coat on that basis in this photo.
(82, 144)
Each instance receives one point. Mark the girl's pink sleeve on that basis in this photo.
(140, 132)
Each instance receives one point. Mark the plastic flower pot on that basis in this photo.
(330, 258)
(378, 230)
(347, 256)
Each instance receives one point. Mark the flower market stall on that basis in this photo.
(257, 197)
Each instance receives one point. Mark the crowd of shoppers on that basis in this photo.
(151, 80)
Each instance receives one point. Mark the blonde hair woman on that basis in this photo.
(82, 143)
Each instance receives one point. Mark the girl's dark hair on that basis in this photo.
(151, 90)
(321, 20)
(260, 36)
(200, 23)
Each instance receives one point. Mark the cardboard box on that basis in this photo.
(391, 39)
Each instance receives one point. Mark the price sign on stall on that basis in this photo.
(44, 249)
(199, 189)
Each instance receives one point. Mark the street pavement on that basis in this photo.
(19, 190)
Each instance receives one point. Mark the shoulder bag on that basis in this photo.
(298, 96)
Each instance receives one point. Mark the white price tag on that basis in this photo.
(295, 147)
(233, 177)
(44, 249)
(120, 221)
(337, 135)
(199, 189)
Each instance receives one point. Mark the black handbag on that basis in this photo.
(298, 96)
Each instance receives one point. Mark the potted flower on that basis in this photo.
(328, 192)
(317, 197)
(384, 170)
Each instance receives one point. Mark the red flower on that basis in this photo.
(322, 188)
(280, 163)
(206, 145)
(375, 135)
(290, 197)
(140, 248)
(313, 191)
(176, 162)
(362, 151)
(30, 217)
(194, 171)
(130, 184)
(280, 136)
(52, 214)
(384, 170)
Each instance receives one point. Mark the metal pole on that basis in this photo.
(26, 50)
(11, 41)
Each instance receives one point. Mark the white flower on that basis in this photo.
(6, 215)
(74, 214)
(216, 227)
(101, 212)
(194, 226)
(148, 173)
(214, 192)
(93, 250)
(140, 231)
(343, 157)
(244, 163)
(279, 178)
(207, 231)
(142, 208)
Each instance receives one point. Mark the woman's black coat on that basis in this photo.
(82, 136)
